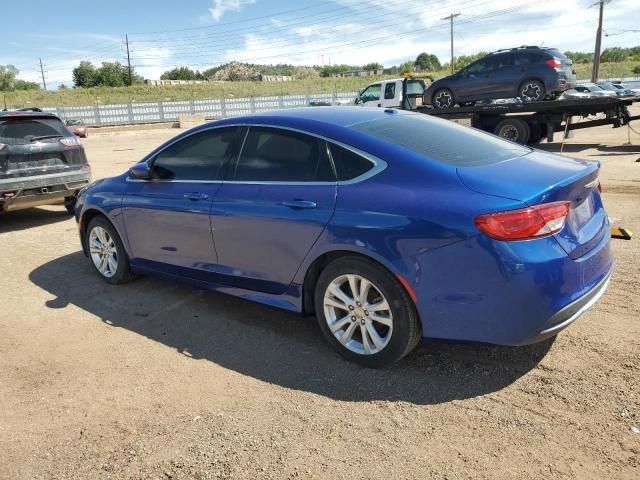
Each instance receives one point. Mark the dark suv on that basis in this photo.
(531, 73)
(41, 161)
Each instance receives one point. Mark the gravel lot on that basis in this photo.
(158, 380)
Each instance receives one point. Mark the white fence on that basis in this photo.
(131, 113)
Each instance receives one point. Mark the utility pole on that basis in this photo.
(596, 55)
(126, 41)
(44, 84)
(450, 18)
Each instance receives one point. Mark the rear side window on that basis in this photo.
(201, 156)
(349, 165)
(441, 140)
(389, 91)
(15, 131)
(277, 155)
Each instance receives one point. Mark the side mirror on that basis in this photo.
(140, 171)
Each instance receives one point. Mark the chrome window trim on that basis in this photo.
(378, 164)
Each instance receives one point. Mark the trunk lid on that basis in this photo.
(541, 177)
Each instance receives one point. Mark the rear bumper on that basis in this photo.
(27, 192)
(570, 313)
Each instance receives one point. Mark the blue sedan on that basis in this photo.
(389, 226)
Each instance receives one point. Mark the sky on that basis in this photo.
(203, 33)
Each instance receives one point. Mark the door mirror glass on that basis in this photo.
(140, 171)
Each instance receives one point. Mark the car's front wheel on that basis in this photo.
(107, 252)
(443, 98)
(365, 313)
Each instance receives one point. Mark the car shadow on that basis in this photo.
(277, 346)
(32, 217)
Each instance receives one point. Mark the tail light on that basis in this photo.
(86, 168)
(524, 223)
(554, 63)
(70, 141)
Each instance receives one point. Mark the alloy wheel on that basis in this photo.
(531, 92)
(102, 249)
(443, 99)
(358, 314)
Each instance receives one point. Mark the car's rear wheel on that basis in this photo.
(365, 313)
(107, 252)
(443, 98)
(532, 91)
(513, 129)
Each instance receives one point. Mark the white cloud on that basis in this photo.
(220, 7)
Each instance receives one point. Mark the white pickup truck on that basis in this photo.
(405, 93)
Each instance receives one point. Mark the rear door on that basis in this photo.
(167, 217)
(279, 197)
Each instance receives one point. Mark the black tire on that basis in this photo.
(406, 330)
(514, 130)
(531, 91)
(122, 273)
(442, 99)
(70, 204)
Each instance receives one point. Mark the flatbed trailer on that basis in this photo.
(529, 123)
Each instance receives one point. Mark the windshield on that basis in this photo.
(441, 140)
(15, 131)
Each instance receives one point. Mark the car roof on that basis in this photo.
(326, 116)
(27, 114)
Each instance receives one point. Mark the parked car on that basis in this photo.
(389, 225)
(78, 128)
(625, 86)
(41, 161)
(619, 90)
(587, 90)
(531, 73)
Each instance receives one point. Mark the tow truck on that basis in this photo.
(521, 122)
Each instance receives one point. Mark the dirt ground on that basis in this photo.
(158, 380)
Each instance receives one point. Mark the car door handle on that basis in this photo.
(196, 196)
(299, 204)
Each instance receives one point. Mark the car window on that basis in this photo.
(481, 66)
(349, 165)
(415, 87)
(200, 156)
(390, 91)
(277, 155)
(441, 140)
(502, 61)
(16, 131)
(371, 93)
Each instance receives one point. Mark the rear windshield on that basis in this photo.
(556, 53)
(25, 130)
(415, 87)
(441, 140)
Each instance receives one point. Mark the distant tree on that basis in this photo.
(84, 75)
(615, 54)
(580, 57)
(182, 73)
(405, 67)
(428, 62)
(300, 73)
(62, 86)
(8, 74)
(464, 60)
(373, 66)
(636, 69)
(109, 74)
(25, 85)
(331, 70)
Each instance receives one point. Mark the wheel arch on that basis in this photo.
(315, 268)
(85, 219)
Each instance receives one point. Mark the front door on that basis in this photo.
(167, 218)
(371, 96)
(279, 197)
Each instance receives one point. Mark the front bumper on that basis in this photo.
(27, 192)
